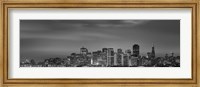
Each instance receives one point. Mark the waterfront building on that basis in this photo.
(136, 49)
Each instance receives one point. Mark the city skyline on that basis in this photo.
(107, 57)
(42, 39)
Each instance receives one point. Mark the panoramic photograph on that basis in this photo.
(100, 43)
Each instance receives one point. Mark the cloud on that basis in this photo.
(135, 22)
(99, 35)
(109, 25)
(75, 36)
(122, 23)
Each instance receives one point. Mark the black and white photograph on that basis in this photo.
(100, 43)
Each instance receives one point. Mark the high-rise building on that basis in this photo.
(136, 49)
(119, 51)
(119, 59)
(153, 52)
(94, 58)
(73, 58)
(89, 58)
(134, 61)
(172, 54)
(148, 54)
(104, 50)
(103, 56)
(115, 59)
(122, 61)
(125, 60)
(166, 56)
(110, 57)
(128, 52)
(83, 50)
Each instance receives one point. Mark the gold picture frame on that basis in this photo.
(7, 4)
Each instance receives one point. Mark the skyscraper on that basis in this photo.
(115, 59)
(83, 50)
(110, 57)
(128, 52)
(119, 59)
(153, 52)
(119, 50)
(172, 54)
(94, 58)
(126, 60)
(148, 54)
(104, 50)
(136, 49)
(166, 56)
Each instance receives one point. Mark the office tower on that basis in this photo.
(119, 51)
(122, 61)
(120, 56)
(172, 54)
(128, 52)
(89, 58)
(105, 55)
(104, 50)
(73, 58)
(125, 60)
(166, 56)
(136, 49)
(110, 57)
(119, 59)
(115, 59)
(153, 52)
(83, 51)
(148, 54)
(94, 58)
(134, 61)
(104, 58)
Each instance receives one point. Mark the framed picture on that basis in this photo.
(100, 43)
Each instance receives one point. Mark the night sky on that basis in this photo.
(40, 39)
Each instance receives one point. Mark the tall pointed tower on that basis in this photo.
(153, 52)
